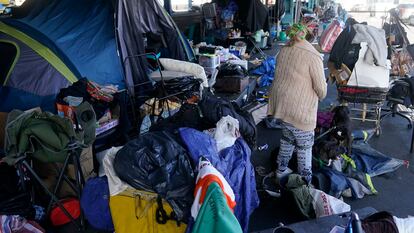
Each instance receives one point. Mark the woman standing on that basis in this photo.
(298, 86)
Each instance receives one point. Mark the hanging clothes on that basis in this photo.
(343, 51)
(377, 45)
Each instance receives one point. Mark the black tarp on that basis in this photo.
(137, 19)
(254, 15)
(278, 10)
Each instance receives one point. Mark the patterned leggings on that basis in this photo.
(300, 140)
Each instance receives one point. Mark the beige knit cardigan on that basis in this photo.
(298, 85)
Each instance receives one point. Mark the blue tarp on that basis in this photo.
(267, 71)
(234, 163)
(82, 33)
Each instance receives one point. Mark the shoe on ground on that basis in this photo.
(271, 186)
(281, 175)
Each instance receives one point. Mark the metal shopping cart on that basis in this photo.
(366, 90)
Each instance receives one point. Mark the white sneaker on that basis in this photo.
(281, 175)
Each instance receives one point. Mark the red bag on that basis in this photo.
(330, 35)
(59, 218)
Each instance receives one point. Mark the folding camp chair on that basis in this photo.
(50, 139)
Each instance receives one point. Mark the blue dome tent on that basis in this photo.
(49, 44)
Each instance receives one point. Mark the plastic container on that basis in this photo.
(282, 36)
(238, 49)
(209, 61)
(263, 42)
(210, 70)
(273, 32)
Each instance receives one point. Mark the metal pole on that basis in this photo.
(297, 11)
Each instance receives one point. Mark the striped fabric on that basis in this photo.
(300, 140)
(15, 223)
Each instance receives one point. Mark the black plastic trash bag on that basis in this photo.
(156, 162)
(214, 109)
(187, 116)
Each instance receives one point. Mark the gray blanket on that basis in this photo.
(377, 45)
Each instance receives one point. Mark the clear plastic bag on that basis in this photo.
(227, 132)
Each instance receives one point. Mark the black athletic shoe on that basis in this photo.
(271, 186)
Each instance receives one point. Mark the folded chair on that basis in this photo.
(49, 138)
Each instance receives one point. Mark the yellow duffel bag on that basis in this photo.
(143, 212)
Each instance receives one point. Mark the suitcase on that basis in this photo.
(143, 212)
(231, 84)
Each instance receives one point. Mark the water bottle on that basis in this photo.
(273, 32)
(354, 225)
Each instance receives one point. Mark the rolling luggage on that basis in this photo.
(144, 212)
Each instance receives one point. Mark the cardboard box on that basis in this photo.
(86, 161)
(49, 175)
(3, 119)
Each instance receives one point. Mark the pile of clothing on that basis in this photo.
(347, 172)
(308, 201)
(192, 170)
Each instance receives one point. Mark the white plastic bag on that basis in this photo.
(326, 205)
(366, 75)
(227, 132)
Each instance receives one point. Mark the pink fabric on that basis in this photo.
(324, 119)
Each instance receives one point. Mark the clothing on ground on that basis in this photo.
(215, 215)
(207, 174)
(297, 188)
